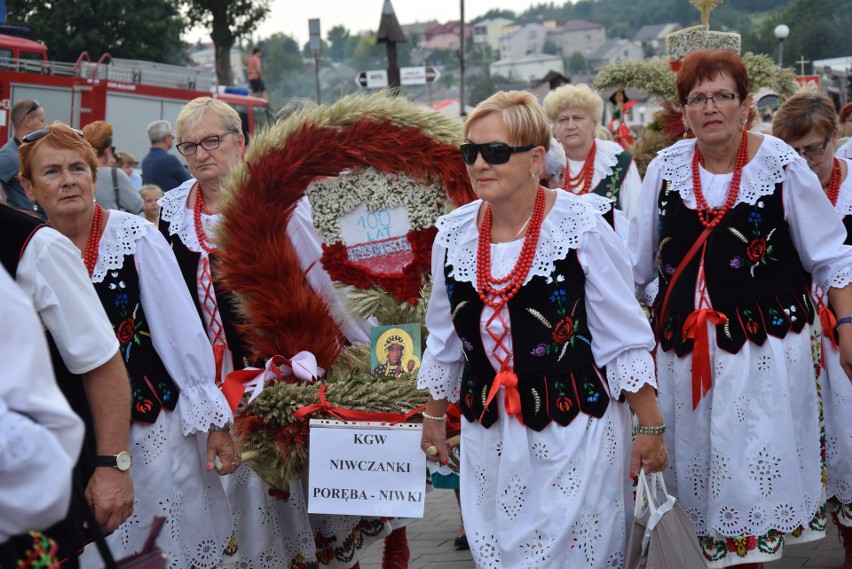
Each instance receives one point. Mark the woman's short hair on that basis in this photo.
(123, 159)
(704, 65)
(803, 112)
(60, 135)
(578, 96)
(193, 113)
(845, 111)
(524, 118)
(150, 188)
(99, 135)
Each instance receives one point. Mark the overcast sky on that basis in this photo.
(291, 16)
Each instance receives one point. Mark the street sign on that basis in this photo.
(375, 79)
(418, 75)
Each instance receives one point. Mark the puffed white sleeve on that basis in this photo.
(443, 361)
(52, 273)
(622, 338)
(308, 245)
(40, 436)
(178, 335)
(644, 232)
(631, 188)
(816, 229)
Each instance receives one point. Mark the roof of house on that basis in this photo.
(578, 25)
(654, 31)
(451, 27)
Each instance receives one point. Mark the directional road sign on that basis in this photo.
(375, 79)
(418, 75)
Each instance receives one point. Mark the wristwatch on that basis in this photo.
(121, 461)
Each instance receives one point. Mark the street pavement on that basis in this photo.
(431, 543)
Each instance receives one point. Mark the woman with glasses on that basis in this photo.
(845, 120)
(807, 122)
(271, 530)
(534, 330)
(595, 166)
(178, 414)
(730, 221)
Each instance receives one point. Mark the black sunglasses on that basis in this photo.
(492, 152)
(40, 133)
(35, 106)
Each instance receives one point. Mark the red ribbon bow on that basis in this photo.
(511, 398)
(695, 328)
(829, 323)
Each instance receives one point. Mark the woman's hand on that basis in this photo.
(434, 441)
(649, 451)
(220, 443)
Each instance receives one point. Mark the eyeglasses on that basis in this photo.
(719, 99)
(208, 144)
(812, 150)
(40, 133)
(492, 152)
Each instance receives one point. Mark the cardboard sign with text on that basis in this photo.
(366, 469)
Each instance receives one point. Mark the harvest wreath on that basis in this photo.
(378, 151)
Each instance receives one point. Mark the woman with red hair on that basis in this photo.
(730, 221)
(845, 120)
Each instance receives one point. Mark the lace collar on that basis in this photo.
(759, 177)
(561, 231)
(843, 207)
(176, 211)
(118, 240)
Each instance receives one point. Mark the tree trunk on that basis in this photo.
(223, 40)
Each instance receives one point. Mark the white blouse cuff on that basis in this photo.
(202, 406)
(443, 380)
(629, 371)
(839, 279)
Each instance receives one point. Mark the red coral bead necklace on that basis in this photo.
(197, 208)
(833, 188)
(582, 182)
(495, 297)
(706, 215)
(90, 255)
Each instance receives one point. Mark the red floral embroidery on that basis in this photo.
(125, 331)
(564, 404)
(563, 331)
(144, 406)
(756, 249)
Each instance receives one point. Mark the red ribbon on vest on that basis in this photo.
(346, 415)
(511, 398)
(695, 328)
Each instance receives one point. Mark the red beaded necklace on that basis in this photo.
(582, 182)
(833, 188)
(197, 208)
(90, 255)
(709, 217)
(494, 297)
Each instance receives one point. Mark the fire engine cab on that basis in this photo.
(129, 94)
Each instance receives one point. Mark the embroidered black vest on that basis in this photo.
(847, 223)
(152, 389)
(610, 186)
(753, 273)
(16, 229)
(557, 376)
(188, 262)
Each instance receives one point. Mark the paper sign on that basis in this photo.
(366, 469)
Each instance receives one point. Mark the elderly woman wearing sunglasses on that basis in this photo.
(178, 413)
(534, 329)
(595, 166)
(807, 122)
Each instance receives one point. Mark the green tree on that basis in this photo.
(338, 40)
(227, 20)
(577, 63)
(147, 30)
(285, 71)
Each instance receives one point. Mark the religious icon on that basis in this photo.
(395, 350)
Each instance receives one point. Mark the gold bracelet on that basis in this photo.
(441, 419)
(646, 430)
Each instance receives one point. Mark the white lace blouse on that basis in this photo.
(621, 334)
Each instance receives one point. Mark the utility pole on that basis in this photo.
(462, 112)
(390, 33)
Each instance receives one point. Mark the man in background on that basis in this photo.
(158, 166)
(27, 115)
(253, 65)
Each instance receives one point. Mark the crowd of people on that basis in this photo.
(737, 388)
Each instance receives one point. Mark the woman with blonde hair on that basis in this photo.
(527, 285)
(594, 165)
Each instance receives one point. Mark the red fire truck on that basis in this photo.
(130, 94)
